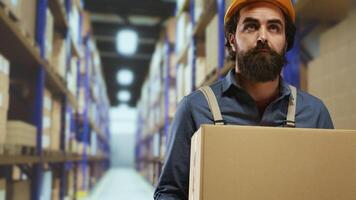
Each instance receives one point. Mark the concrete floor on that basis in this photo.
(122, 184)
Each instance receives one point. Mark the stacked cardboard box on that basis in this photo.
(56, 189)
(49, 35)
(56, 126)
(47, 119)
(14, 7)
(28, 17)
(18, 190)
(21, 133)
(2, 189)
(212, 44)
(331, 76)
(4, 96)
(200, 73)
(72, 76)
(180, 82)
(184, 32)
(59, 56)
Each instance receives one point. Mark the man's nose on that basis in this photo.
(262, 35)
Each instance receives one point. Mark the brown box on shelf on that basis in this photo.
(242, 162)
(2, 189)
(19, 190)
(14, 7)
(28, 17)
(21, 133)
(49, 35)
(211, 50)
(200, 73)
(171, 29)
(56, 189)
(56, 126)
(59, 56)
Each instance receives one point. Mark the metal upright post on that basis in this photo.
(221, 39)
(291, 71)
(40, 86)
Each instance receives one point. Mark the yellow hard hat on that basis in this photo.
(285, 5)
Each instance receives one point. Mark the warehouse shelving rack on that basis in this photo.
(18, 49)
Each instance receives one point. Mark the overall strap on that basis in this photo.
(213, 105)
(290, 121)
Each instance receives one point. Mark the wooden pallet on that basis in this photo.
(14, 149)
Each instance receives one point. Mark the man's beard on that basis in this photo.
(260, 64)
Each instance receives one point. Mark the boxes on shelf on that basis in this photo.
(180, 82)
(2, 189)
(183, 32)
(47, 119)
(200, 73)
(46, 188)
(198, 9)
(335, 85)
(18, 190)
(72, 76)
(14, 7)
(4, 96)
(270, 163)
(49, 35)
(21, 133)
(188, 79)
(74, 23)
(59, 56)
(56, 189)
(55, 139)
(28, 17)
(171, 29)
(212, 44)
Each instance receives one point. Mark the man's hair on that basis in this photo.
(230, 28)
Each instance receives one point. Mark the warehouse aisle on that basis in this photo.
(122, 184)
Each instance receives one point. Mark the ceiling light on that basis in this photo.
(124, 77)
(124, 96)
(126, 42)
(144, 20)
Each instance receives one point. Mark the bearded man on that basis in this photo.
(258, 34)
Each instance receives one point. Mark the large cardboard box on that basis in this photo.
(19, 190)
(253, 163)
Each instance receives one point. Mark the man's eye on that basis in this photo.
(274, 28)
(250, 27)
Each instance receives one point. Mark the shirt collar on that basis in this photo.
(230, 82)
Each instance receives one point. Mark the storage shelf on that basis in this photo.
(59, 15)
(22, 159)
(182, 56)
(185, 7)
(26, 56)
(228, 65)
(97, 130)
(204, 19)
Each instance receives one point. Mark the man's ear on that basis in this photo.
(232, 41)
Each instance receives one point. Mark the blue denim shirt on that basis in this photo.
(237, 108)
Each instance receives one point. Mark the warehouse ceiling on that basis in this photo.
(146, 17)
